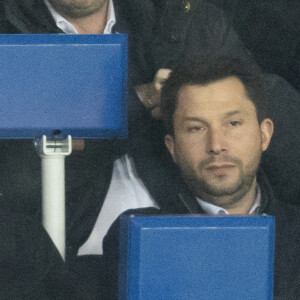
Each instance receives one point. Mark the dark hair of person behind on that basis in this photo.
(209, 72)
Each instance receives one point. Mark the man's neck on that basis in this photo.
(93, 24)
(245, 204)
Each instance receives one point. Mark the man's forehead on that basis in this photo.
(224, 95)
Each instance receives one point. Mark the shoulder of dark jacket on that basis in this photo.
(31, 16)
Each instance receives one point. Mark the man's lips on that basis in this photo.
(220, 167)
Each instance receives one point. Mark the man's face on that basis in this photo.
(77, 8)
(217, 140)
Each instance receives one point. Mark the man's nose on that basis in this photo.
(216, 143)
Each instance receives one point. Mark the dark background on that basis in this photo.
(270, 29)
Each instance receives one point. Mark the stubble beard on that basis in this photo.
(77, 9)
(216, 193)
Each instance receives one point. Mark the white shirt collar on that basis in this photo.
(67, 27)
(212, 209)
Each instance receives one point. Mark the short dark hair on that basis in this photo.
(208, 72)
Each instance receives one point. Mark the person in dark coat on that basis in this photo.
(217, 139)
(217, 124)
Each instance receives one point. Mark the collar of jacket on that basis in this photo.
(267, 196)
(30, 16)
(138, 15)
(268, 199)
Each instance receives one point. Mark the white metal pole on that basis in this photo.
(53, 199)
(53, 155)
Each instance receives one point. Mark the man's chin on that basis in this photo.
(223, 195)
(219, 188)
(221, 191)
(222, 186)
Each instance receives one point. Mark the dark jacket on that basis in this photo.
(281, 162)
(31, 267)
(193, 30)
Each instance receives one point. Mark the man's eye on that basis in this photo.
(235, 123)
(195, 128)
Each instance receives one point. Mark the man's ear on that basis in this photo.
(266, 129)
(169, 141)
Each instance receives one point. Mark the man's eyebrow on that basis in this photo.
(194, 119)
(232, 113)
(198, 119)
